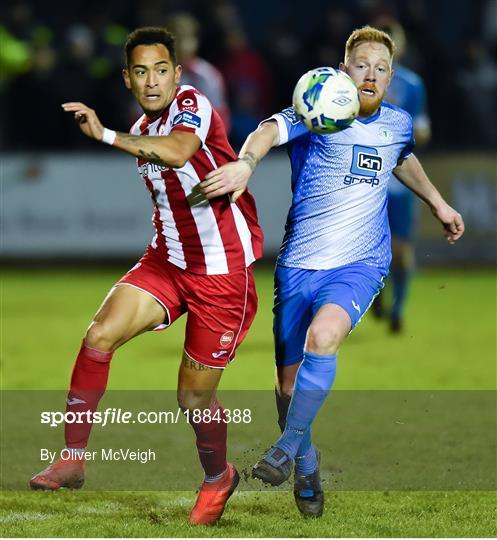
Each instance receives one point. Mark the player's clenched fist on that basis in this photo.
(452, 222)
(87, 119)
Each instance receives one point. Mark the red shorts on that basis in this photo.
(220, 308)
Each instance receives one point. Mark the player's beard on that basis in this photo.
(369, 105)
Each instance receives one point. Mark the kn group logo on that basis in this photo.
(365, 161)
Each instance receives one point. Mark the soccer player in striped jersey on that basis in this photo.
(199, 262)
(336, 249)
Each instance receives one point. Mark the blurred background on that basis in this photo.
(66, 199)
(75, 214)
(66, 196)
(73, 50)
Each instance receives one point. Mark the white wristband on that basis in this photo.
(109, 136)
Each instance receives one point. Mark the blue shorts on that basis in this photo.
(402, 214)
(298, 295)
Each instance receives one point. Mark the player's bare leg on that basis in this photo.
(125, 313)
(197, 384)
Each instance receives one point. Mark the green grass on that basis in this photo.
(449, 343)
(159, 514)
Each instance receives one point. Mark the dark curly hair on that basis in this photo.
(150, 35)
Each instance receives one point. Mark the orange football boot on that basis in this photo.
(63, 473)
(213, 497)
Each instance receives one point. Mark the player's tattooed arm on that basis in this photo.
(259, 143)
(233, 177)
(172, 150)
(137, 142)
(250, 159)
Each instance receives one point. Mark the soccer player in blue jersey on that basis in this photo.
(336, 249)
(407, 91)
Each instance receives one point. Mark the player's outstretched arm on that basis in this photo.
(412, 174)
(233, 177)
(172, 150)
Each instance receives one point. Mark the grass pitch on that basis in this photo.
(158, 514)
(449, 343)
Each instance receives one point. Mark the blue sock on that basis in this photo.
(313, 382)
(305, 460)
(400, 280)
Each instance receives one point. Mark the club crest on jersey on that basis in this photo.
(226, 338)
(188, 104)
(187, 118)
(385, 134)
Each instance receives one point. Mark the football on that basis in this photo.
(326, 100)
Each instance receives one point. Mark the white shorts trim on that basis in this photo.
(230, 359)
(200, 362)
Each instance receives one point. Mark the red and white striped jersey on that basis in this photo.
(202, 236)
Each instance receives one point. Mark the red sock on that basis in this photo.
(88, 383)
(211, 441)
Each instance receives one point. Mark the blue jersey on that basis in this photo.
(407, 91)
(338, 214)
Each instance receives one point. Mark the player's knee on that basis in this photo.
(101, 336)
(193, 399)
(323, 340)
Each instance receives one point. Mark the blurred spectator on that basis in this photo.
(14, 57)
(29, 100)
(198, 72)
(477, 78)
(74, 52)
(489, 25)
(326, 43)
(247, 76)
(287, 58)
(407, 91)
(250, 86)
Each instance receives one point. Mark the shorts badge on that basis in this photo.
(226, 338)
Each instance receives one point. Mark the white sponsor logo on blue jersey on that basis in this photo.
(339, 182)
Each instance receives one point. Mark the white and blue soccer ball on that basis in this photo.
(326, 100)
